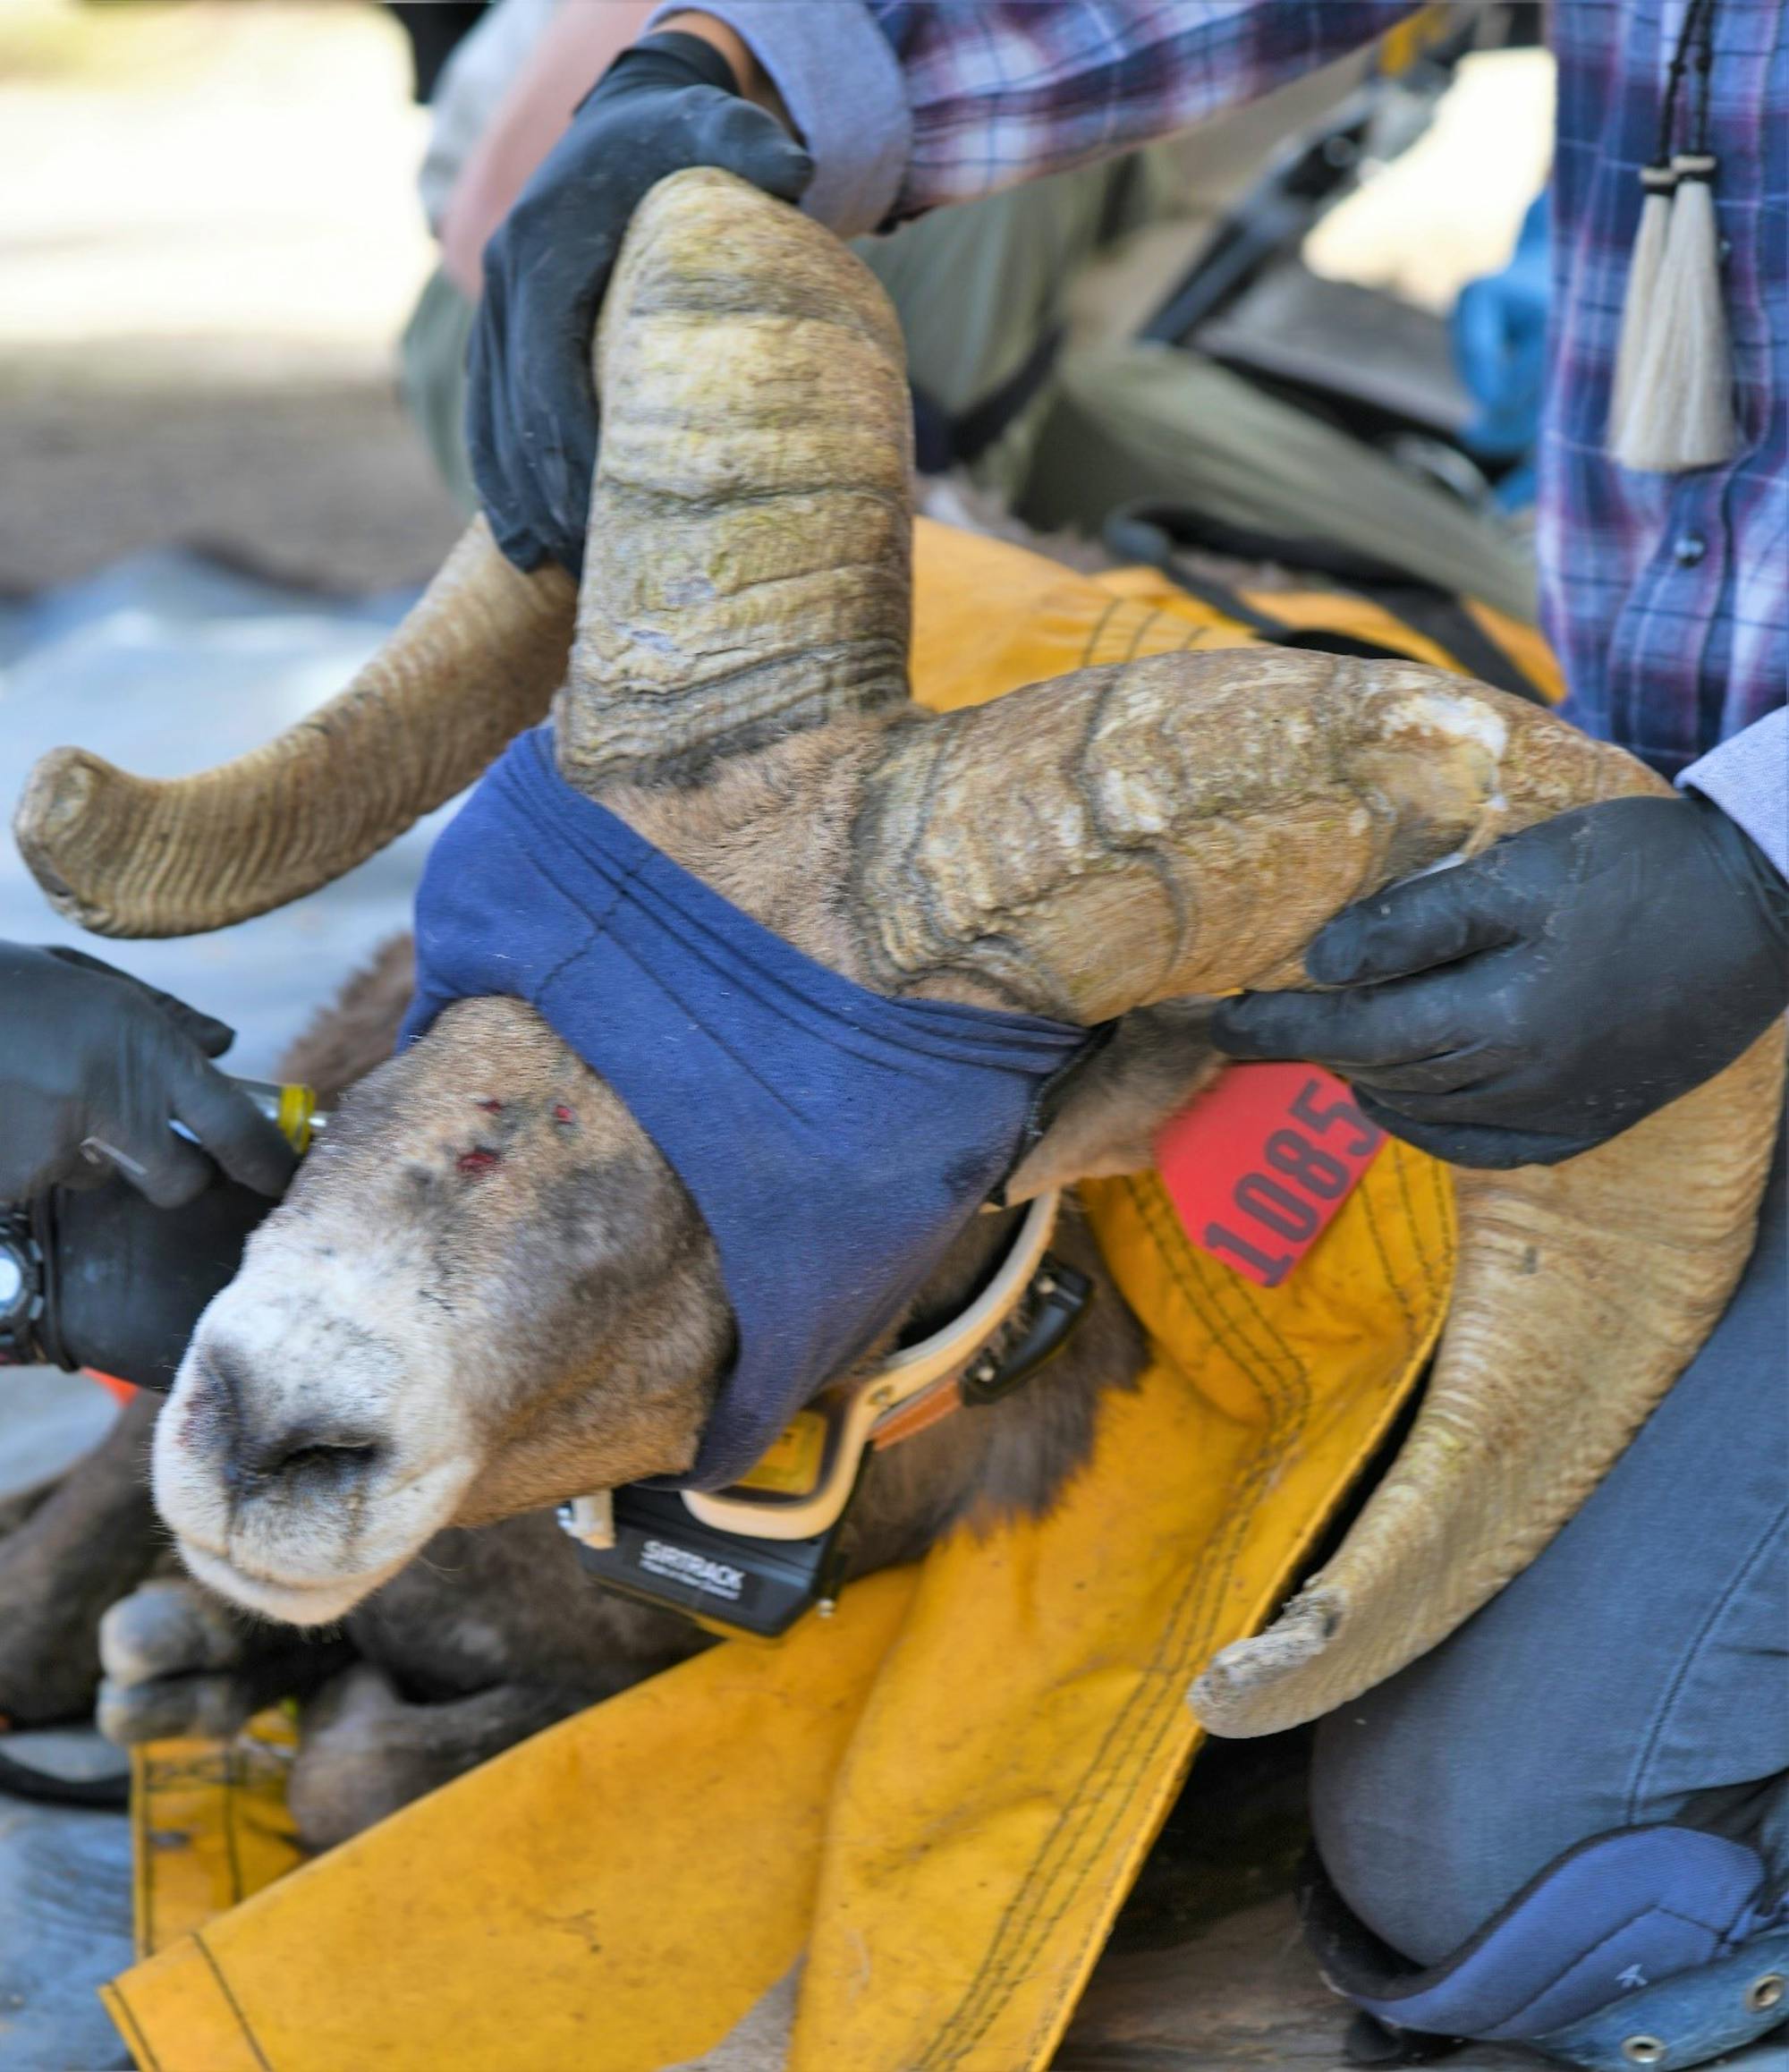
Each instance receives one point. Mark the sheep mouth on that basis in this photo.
(297, 1549)
(297, 1569)
(305, 1601)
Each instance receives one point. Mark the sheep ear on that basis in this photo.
(1115, 1104)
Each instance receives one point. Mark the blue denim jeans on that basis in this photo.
(1637, 1672)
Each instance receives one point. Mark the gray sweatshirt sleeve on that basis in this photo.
(1748, 778)
(842, 86)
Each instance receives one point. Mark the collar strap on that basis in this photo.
(902, 1396)
(856, 1409)
(1038, 1326)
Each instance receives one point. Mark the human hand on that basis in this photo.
(1525, 1006)
(126, 1282)
(666, 104)
(90, 1056)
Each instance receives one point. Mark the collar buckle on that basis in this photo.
(1057, 1300)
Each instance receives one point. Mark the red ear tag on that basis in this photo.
(1258, 1167)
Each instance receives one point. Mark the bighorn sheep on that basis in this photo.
(488, 1635)
(467, 1308)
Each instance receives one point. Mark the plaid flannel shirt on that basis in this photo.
(1667, 597)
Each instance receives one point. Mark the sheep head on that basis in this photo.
(488, 1290)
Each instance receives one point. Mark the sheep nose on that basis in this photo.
(323, 1462)
(320, 1461)
(259, 1447)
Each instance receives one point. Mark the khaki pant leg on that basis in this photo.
(1150, 422)
(976, 287)
(432, 381)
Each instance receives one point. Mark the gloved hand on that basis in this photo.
(1520, 1009)
(667, 103)
(89, 1053)
(126, 1282)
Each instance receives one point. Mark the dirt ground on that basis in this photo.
(322, 484)
(209, 241)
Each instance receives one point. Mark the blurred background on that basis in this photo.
(209, 239)
(211, 502)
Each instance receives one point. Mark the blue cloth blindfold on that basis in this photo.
(834, 1141)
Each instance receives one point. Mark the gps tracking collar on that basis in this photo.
(749, 1560)
(835, 1141)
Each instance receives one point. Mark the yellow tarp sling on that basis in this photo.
(938, 1797)
(988, 617)
(209, 1826)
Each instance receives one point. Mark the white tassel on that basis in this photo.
(1679, 414)
(1641, 311)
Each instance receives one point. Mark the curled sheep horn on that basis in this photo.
(1184, 825)
(1580, 1294)
(475, 661)
(747, 571)
(707, 622)
(1178, 826)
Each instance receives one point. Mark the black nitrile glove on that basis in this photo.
(125, 1282)
(1522, 1007)
(90, 1056)
(666, 103)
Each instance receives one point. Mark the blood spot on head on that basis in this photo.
(491, 1106)
(562, 1114)
(472, 1163)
